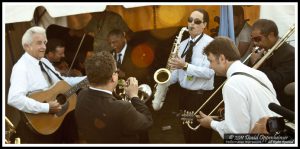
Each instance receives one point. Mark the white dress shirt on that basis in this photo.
(202, 77)
(245, 100)
(27, 77)
(123, 53)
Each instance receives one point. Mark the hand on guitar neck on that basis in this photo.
(54, 107)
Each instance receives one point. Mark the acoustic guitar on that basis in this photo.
(46, 123)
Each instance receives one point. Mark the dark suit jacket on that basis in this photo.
(132, 70)
(103, 119)
(280, 69)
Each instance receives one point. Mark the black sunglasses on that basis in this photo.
(196, 21)
(257, 38)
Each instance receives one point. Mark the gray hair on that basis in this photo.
(27, 37)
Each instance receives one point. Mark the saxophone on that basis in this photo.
(163, 75)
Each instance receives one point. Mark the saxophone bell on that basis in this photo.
(163, 75)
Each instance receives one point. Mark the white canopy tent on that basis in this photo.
(22, 12)
(284, 15)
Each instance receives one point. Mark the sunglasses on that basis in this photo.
(257, 38)
(196, 21)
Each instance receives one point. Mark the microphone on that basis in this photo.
(286, 113)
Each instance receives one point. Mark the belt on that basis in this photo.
(200, 91)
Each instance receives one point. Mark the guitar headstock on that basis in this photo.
(187, 116)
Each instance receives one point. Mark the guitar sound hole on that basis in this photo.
(61, 99)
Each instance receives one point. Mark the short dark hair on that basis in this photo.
(266, 27)
(238, 11)
(116, 32)
(53, 43)
(223, 45)
(100, 67)
(205, 15)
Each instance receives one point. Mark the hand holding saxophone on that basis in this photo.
(176, 63)
(131, 90)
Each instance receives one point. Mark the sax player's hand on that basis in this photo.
(176, 63)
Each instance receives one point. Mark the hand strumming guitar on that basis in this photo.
(54, 107)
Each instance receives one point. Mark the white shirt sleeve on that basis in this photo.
(235, 122)
(18, 90)
(199, 71)
(70, 80)
(174, 77)
(73, 80)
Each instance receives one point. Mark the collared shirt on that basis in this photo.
(101, 90)
(198, 71)
(122, 52)
(27, 77)
(245, 100)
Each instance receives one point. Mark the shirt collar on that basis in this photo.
(123, 50)
(97, 89)
(190, 39)
(233, 67)
(31, 58)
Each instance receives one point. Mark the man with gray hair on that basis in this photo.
(34, 73)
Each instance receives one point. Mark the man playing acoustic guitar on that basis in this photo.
(48, 108)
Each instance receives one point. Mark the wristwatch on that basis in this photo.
(185, 66)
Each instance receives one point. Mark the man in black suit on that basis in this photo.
(100, 117)
(124, 55)
(280, 67)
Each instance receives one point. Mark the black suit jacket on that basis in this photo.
(103, 119)
(133, 70)
(280, 69)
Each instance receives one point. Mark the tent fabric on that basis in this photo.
(283, 15)
(13, 11)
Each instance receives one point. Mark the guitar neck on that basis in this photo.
(76, 87)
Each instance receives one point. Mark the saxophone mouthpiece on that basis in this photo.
(190, 28)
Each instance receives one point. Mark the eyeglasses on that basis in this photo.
(196, 20)
(257, 38)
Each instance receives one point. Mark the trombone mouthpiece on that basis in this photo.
(257, 49)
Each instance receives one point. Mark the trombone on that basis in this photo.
(11, 130)
(188, 116)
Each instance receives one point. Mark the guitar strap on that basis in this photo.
(60, 78)
(248, 75)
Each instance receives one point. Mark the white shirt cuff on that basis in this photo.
(45, 108)
(214, 124)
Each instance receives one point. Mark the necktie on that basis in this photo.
(189, 54)
(119, 60)
(45, 73)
